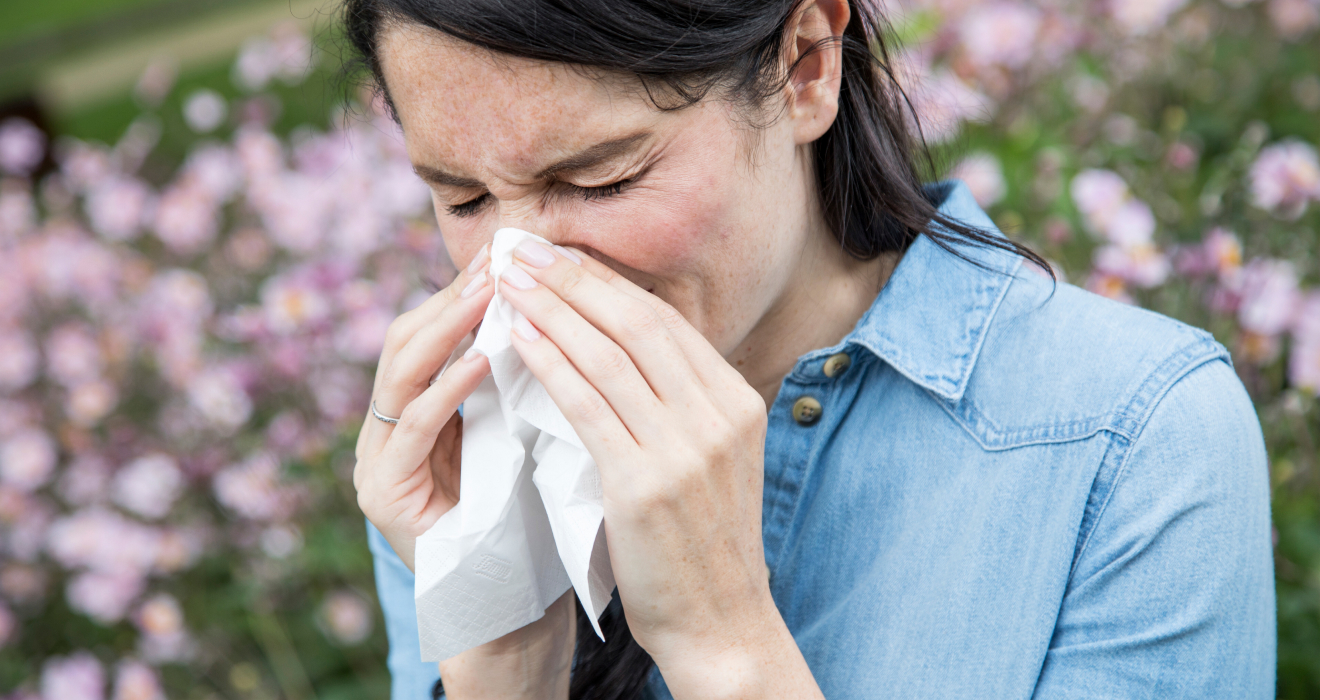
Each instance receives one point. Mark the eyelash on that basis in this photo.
(472, 206)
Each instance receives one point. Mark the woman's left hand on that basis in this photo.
(678, 436)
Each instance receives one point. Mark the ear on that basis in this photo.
(814, 57)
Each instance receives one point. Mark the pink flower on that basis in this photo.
(19, 359)
(27, 459)
(362, 338)
(214, 170)
(85, 481)
(204, 111)
(1294, 18)
(117, 207)
(1268, 289)
(999, 34)
(104, 597)
(1143, 264)
(22, 583)
(345, 618)
(1137, 17)
(1304, 358)
(76, 677)
(254, 489)
(178, 550)
(261, 154)
(1133, 224)
(148, 485)
(89, 402)
(1223, 252)
(1099, 194)
(135, 680)
(164, 637)
(220, 398)
(292, 302)
(943, 102)
(22, 146)
(156, 81)
(186, 219)
(84, 165)
(1284, 178)
(18, 213)
(72, 354)
(103, 541)
(983, 176)
(1110, 286)
(280, 541)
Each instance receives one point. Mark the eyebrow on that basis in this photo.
(586, 158)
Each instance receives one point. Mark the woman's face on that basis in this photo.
(693, 205)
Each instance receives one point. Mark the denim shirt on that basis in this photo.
(1012, 489)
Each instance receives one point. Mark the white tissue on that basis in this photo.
(528, 523)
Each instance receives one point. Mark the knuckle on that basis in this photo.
(591, 408)
(400, 329)
(613, 364)
(641, 321)
(573, 279)
(668, 314)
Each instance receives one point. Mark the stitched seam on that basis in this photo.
(1148, 410)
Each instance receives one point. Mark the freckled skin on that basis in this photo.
(735, 243)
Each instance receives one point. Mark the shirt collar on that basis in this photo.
(930, 320)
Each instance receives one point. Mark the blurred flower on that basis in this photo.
(362, 337)
(220, 398)
(254, 488)
(22, 146)
(72, 354)
(1132, 224)
(104, 596)
(103, 541)
(1099, 194)
(205, 110)
(19, 359)
(345, 618)
(135, 680)
(983, 176)
(214, 170)
(1304, 359)
(999, 34)
(1141, 264)
(117, 207)
(293, 301)
(148, 485)
(1269, 294)
(85, 480)
(76, 677)
(89, 402)
(1137, 17)
(943, 102)
(22, 583)
(1284, 177)
(164, 637)
(280, 541)
(18, 213)
(1294, 18)
(1110, 286)
(27, 459)
(187, 218)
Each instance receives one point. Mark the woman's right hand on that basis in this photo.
(407, 475)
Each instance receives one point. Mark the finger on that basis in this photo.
(708, 364)
(630, 323)
(599, 427)
(413, 439)
(599, 359)
(403, 328)
(409, 372)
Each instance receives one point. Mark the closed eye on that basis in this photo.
(475, 205)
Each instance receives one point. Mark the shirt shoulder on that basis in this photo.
(1059, 364)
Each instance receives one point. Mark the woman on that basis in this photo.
(851, 444)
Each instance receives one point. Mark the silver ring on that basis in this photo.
(381, 416)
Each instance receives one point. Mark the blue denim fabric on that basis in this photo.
(1016, 490)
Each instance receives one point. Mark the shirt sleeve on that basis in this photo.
(1172, 591)
(410, 677)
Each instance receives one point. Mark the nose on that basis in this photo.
(530, 214)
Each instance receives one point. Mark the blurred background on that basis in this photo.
(206, 226)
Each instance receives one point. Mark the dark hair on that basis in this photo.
(868, 165)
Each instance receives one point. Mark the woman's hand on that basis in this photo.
(678, 436)
(407, 474)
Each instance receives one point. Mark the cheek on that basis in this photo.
(462, 239)
(666, 227)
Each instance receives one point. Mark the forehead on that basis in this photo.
(460, 103)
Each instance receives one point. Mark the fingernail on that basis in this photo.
(517, 277)
(471, 354)
(480, 260)
(472, 287)
(534, 254)
(525, 329)
(577, 260)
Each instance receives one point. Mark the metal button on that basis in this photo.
(806, 410)
(837, 364)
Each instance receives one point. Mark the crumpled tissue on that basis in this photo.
(529, 520)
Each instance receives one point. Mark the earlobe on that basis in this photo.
(815, 63)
